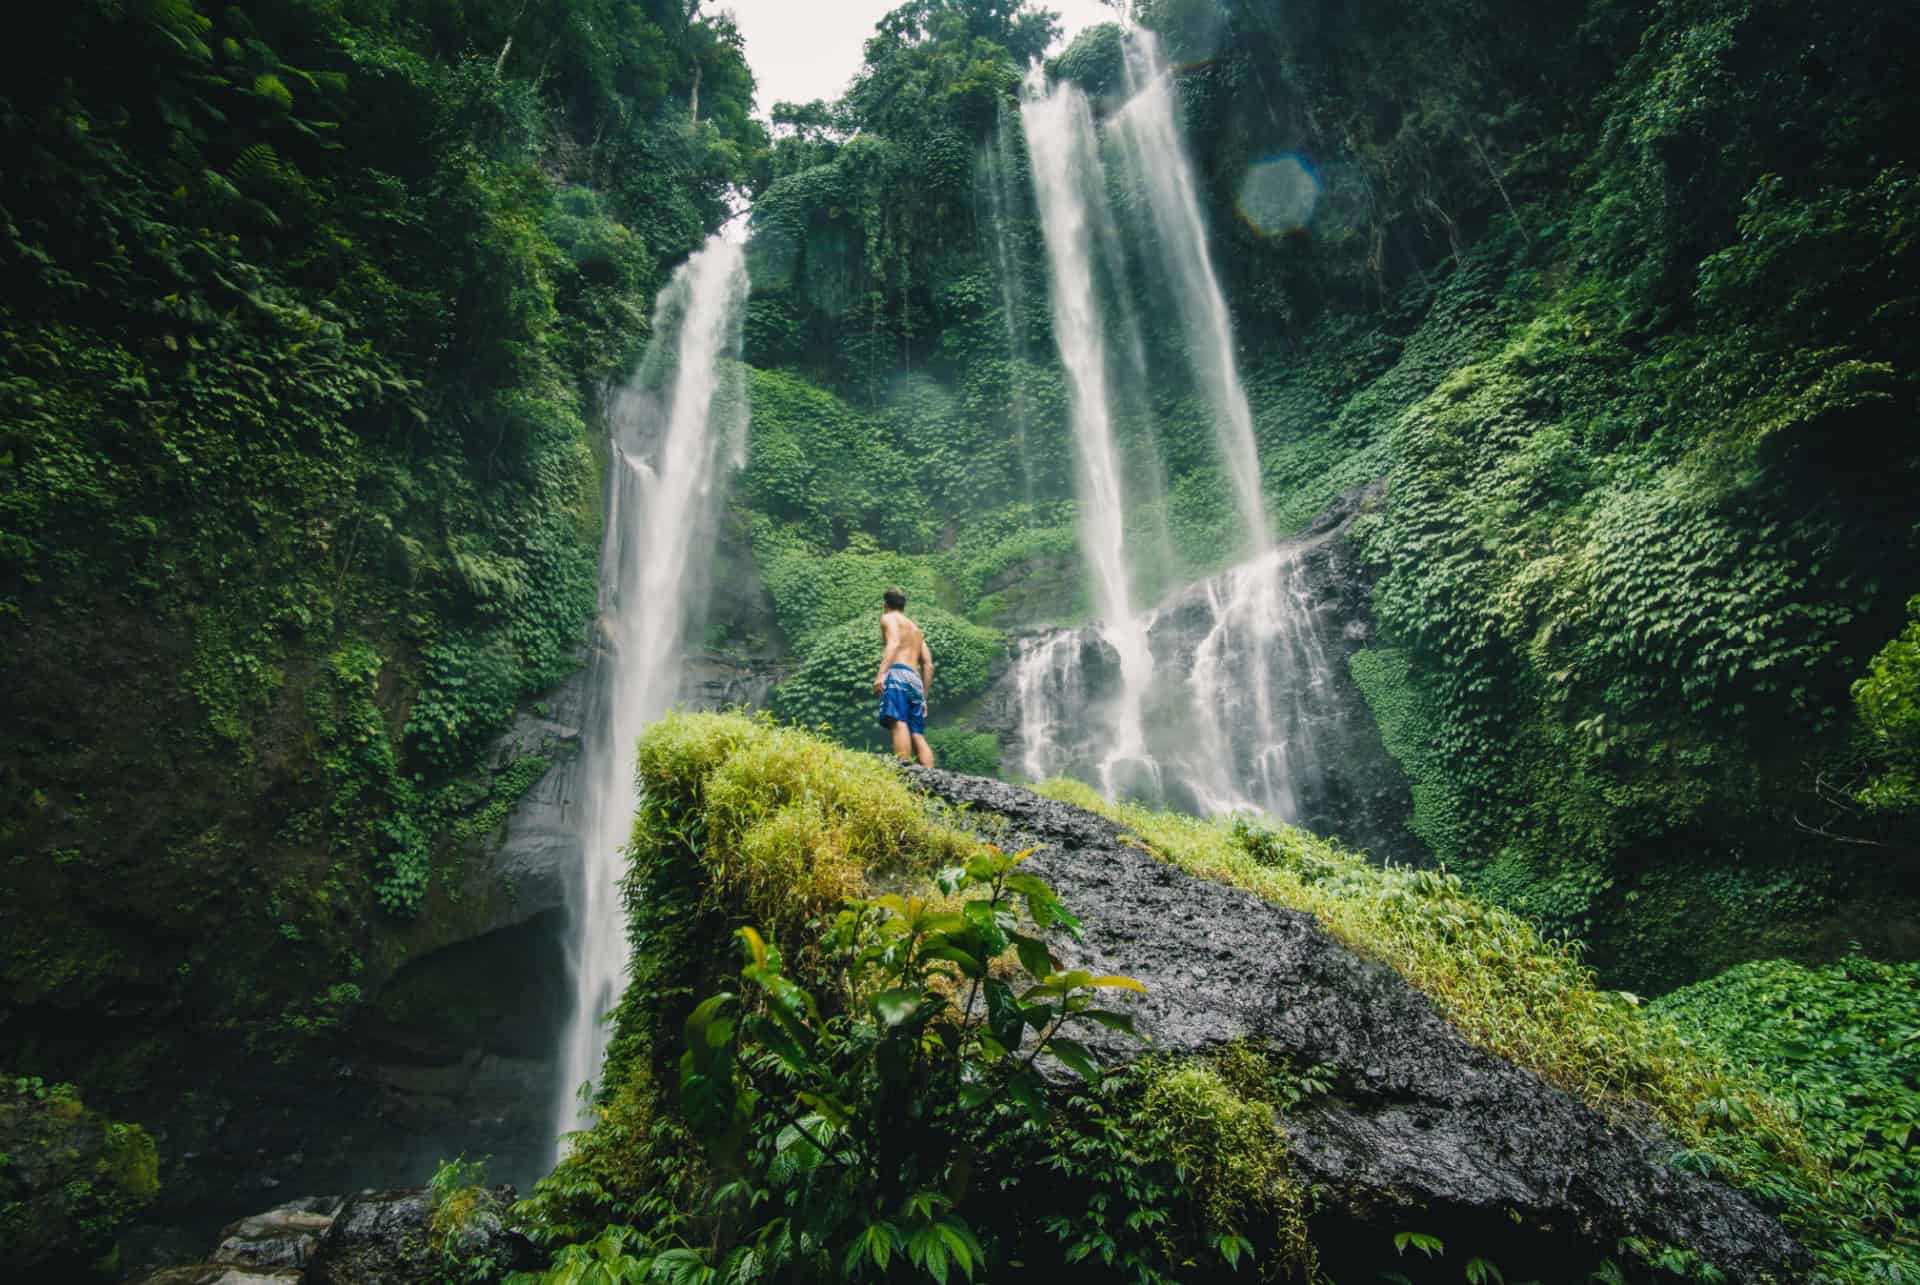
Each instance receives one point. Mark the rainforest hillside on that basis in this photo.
(1577, 346)
(307, 315)
(1616, 300)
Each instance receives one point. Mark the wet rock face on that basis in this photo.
(373, 1238)
(1423, 1131)
(1252, 705)
(285, 1237)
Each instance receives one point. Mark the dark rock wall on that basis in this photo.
(1342, 781)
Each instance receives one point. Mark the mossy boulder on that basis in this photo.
(69, 1177)
(1338, 1054)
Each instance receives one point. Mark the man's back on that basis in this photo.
(901, 640)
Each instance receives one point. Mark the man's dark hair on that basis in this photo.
(895, 598)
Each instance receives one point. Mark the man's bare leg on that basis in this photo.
(902, 740)
(921, 748)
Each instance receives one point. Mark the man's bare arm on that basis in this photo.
(924, 662)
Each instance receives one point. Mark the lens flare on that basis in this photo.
(1278, 195)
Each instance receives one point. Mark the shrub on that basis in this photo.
(833, 687)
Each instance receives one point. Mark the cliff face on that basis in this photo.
(1259, 714)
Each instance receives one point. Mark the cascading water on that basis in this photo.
(1235, 733)
(1147, 132)
(1245, 697)
(676, 428)
(1068, 176)
(1262, 685)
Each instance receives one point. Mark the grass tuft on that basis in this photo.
(789, 826)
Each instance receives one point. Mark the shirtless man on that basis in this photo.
(906, 672)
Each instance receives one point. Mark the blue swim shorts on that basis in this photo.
(903, 700)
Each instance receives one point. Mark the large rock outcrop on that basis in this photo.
(372, 1238)
(1422, 1130)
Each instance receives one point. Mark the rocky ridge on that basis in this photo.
(372, 1238)
(1422, 1130)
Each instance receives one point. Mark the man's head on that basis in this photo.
(895, 598)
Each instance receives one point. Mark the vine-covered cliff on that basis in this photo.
(306, 314)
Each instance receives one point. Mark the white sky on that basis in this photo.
(805, 49)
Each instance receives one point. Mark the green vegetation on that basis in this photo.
(1629, 565)
(69, 1177)
(309, 310)
(832, 688)
(849, 1092)
(463, 1241)
(1837, 1045)
(853, 1090)
(306, 314)
(1828, 1149)
(1888, 699)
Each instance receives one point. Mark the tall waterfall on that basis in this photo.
(1148, 132)
(677, 426)
(1219, 719)
(1070, 185)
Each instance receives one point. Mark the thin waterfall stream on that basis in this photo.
(677, 426)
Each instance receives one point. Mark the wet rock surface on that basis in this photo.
(1422, 1130)
(285, 1237)
(373, 1238)
(1339, 778)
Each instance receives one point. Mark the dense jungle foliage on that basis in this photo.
(1618, 301)
(307, 308)
(309, 311)
(862, 1092)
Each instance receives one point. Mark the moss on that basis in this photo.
(1506, 988)
(69, 1178)
(1220, 1124)
(1532, 1001)
(790, 826)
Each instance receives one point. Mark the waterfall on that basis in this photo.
(1246, 692)
(1070, 184)
(1232, 730)
(1261, 682)
(1147, 132)
(676, 426)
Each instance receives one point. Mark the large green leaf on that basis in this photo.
(897, 1005)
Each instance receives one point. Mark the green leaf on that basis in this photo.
(1034, 956)
(1233, 1248)
(1122, 1022)
(897, 1005)
(1482, 1272)
(1428, 1245)
(1075, 1056)
(832, 1111)
(960, 1241)
(769, 1036)
(1004, 1018)
(1027, 1089)
(969, 966)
